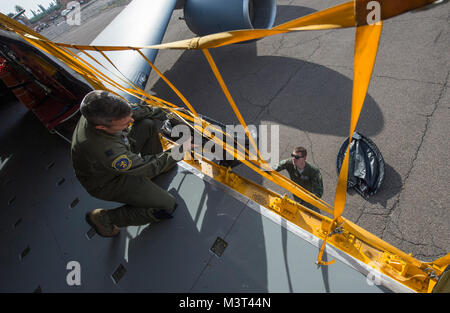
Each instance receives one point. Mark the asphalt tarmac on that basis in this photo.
(303, 82)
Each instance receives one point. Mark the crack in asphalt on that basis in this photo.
(362, 213)
(267, 105)
(437, 37)
(396, 207)
(409, 79)
(423, 245)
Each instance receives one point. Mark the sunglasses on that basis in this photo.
(297, 156)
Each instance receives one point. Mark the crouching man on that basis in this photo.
(116, 162)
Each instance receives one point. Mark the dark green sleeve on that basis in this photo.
(283, 165)
(317, 184)
(142, 111)
(121, 160)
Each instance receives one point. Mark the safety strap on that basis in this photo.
(191, 108)
(266, 169)
(366, 47)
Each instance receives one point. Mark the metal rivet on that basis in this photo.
(17, 223)
(219, 247)
(118, 274)
(74, 203)
(11, 200)
(91, 233)
(25, 252)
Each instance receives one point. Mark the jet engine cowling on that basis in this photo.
(205, 17)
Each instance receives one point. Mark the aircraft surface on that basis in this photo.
(208, 231)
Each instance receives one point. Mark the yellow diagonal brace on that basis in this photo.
(366, 47)
(179, 94)
(388, 8)
(339, 16)
(225, 90)
(272, 175)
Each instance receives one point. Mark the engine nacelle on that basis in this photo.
(205, 17)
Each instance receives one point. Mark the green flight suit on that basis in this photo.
(310, 179)
(119, 167)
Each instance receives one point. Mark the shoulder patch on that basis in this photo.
(284, 162)
(122, 163)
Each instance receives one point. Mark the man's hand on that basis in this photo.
(181, 110)
(173, 118)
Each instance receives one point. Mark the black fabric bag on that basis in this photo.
(366, 165)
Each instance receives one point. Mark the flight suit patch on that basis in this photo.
(122, 163)
(125, 139)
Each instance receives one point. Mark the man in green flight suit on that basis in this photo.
(304, 174)
(116, 162)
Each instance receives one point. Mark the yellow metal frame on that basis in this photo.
(347, 236)
(338, 231)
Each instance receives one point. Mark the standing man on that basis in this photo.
(116, 162)
(303, 174)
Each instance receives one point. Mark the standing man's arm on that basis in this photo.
(283, 165)
(317, 185)
(142, 111)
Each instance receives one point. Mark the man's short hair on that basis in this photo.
(101, 107)
(301, 150)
